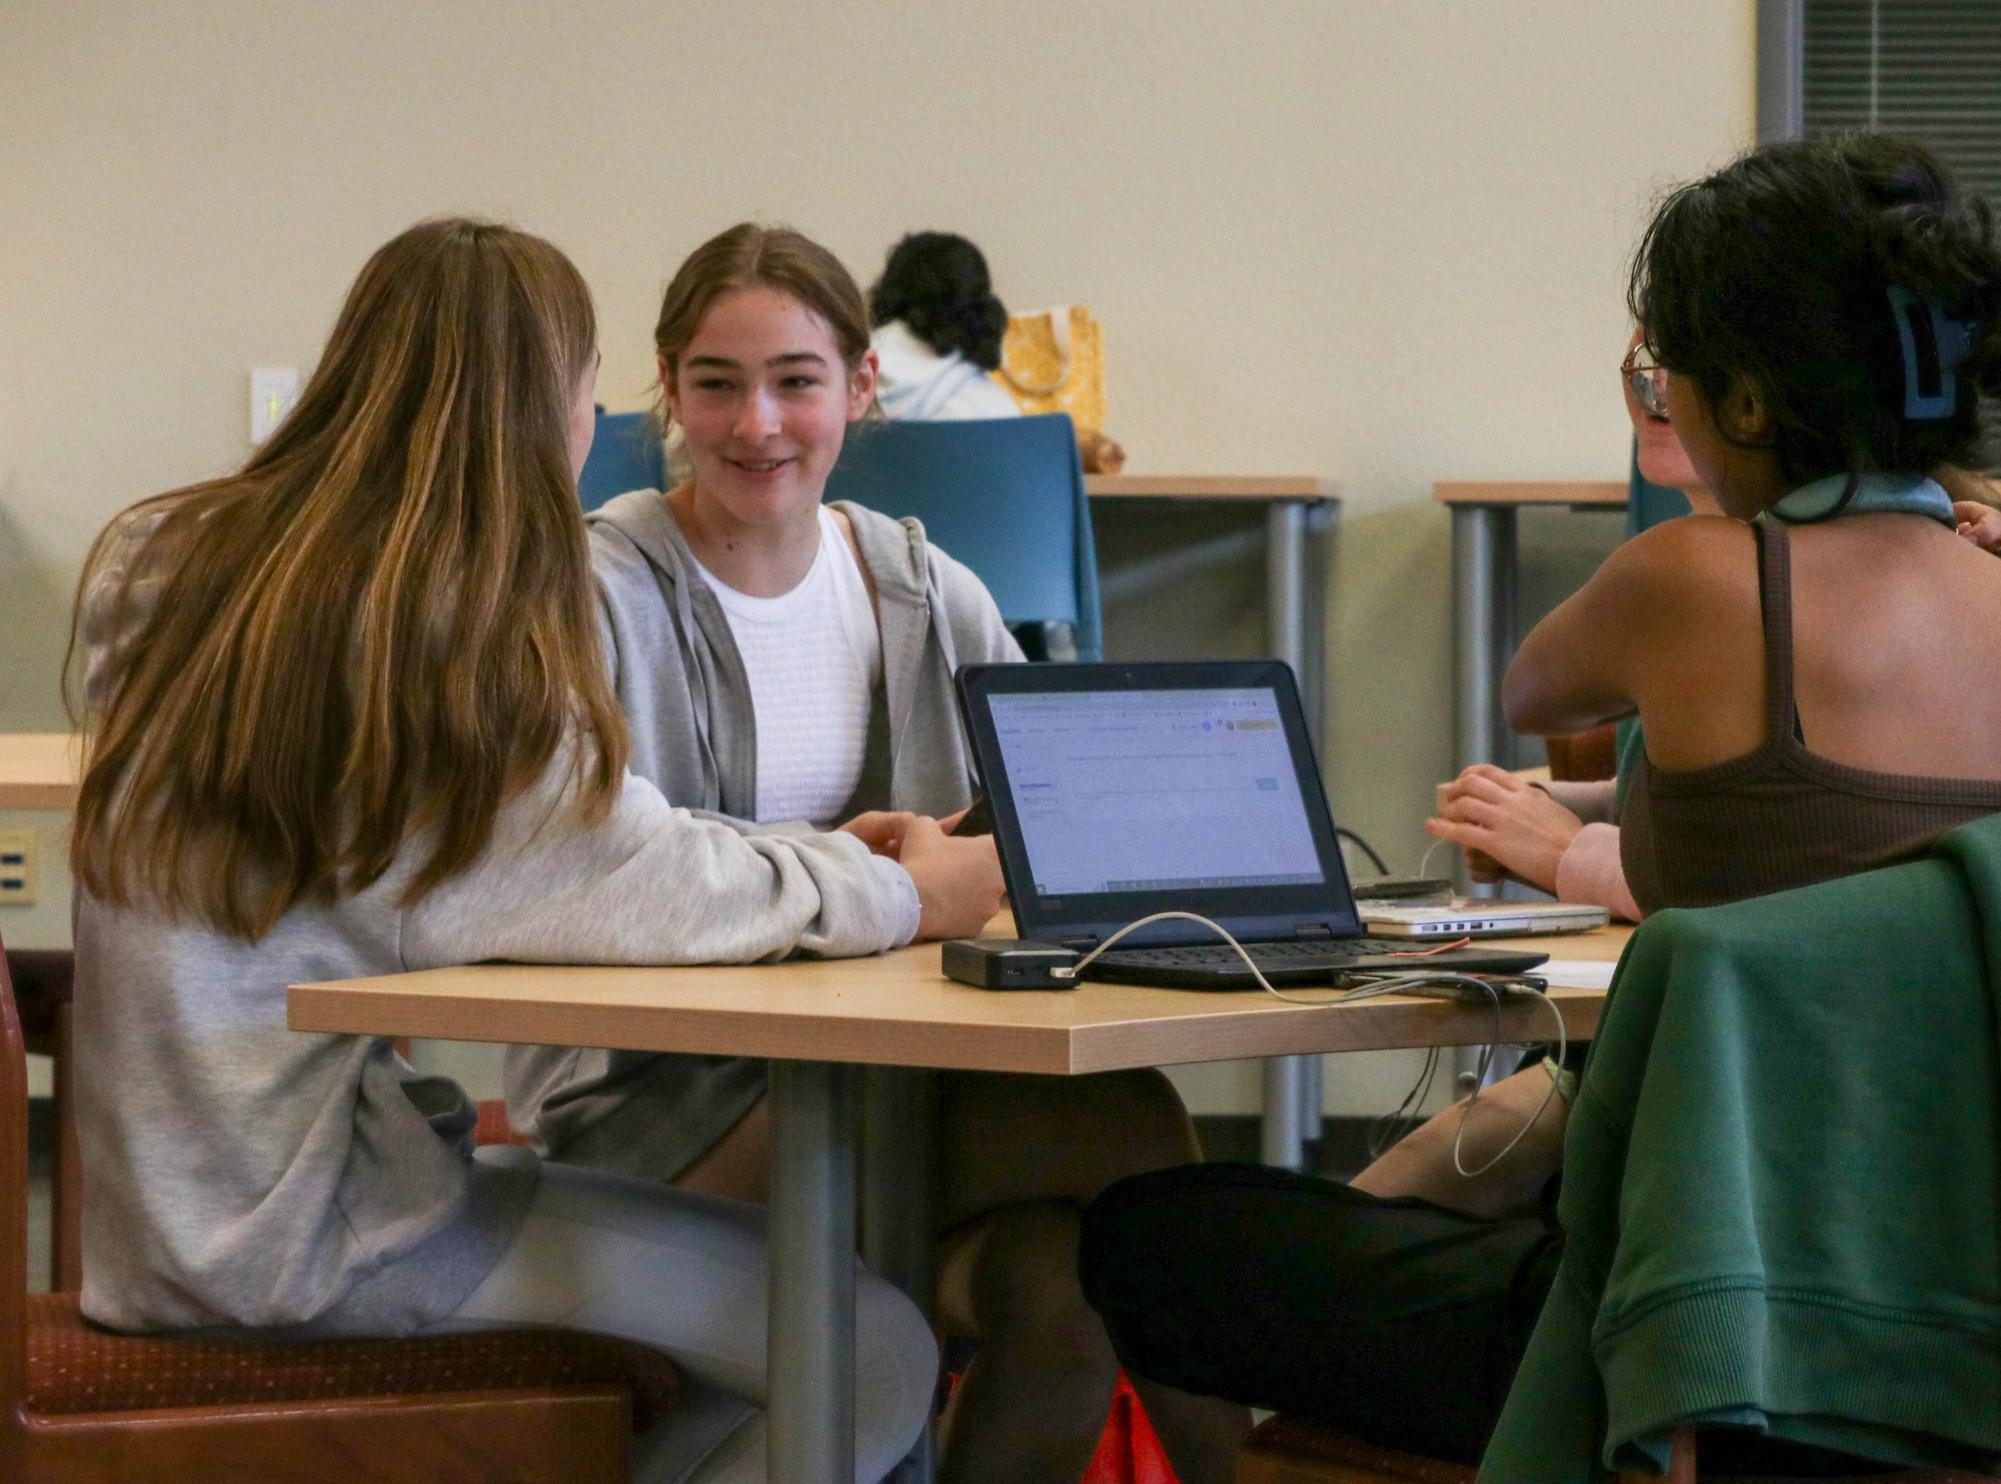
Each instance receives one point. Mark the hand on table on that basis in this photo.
(958, 879)
(1505, 826)
(1980, 524)
(882, 830)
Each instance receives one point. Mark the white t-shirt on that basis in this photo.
(814, 660)
(917, 384)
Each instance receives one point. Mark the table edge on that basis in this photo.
(1606, 493)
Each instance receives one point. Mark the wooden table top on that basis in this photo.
(1514, 493)
(1253, 487)
(900, 1010)
(40, 770)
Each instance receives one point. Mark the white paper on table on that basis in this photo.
(1576, 973)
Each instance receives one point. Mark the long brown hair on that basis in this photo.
(381, 625)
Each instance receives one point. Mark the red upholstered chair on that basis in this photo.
(1283, 1451)
(1583, 757)
(83, 1406)
(42, 978)
(493, 1127)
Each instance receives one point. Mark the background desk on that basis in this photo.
(1483, 596)
(40, 770)
(1297, 511)
(821, 1020)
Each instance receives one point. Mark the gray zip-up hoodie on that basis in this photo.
(238, 1173)
(687, 704)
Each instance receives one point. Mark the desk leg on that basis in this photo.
(899, 1152)
(1483, 623)
(1282, 1134)
(1288, 1081)
(1290, 607)
(1483, 603)
(1312, 1097)
(1483, 640)
(811, 1354)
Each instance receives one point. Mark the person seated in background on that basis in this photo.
(1827, 320)
(778, 660)
(352, 718)
(938, 329)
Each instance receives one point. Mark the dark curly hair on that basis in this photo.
(1778, 270)
(936, 283)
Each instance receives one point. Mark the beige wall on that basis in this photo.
(1377, 241)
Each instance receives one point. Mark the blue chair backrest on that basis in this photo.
(1647, 503)
(626, 454)
(1003, 495)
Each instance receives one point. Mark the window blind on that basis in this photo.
(1927, 68)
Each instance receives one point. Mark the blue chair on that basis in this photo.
(626, 454)
(1003, 495)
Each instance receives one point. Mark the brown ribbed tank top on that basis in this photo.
(1781, 816)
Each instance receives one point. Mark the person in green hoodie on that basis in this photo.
(1825, 321)
(787, 663)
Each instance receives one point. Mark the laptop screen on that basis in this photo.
(1154, 790)
(1124, 789)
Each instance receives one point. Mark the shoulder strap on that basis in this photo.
(1775, 608)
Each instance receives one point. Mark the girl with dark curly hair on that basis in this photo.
(938, 330)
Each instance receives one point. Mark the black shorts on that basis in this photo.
(1395, 1321)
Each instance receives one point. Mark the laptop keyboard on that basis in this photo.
(1325, 950)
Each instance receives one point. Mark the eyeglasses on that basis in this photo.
(1648, 380)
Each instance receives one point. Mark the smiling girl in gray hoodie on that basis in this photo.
(789, 664)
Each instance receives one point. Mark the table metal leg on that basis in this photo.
(1282, 1135)
(1289, 605)
(1482, 613)
(1483, 639)
(811, 1350)
(1290, 1083)
(1312, 1095)
(898, 1203)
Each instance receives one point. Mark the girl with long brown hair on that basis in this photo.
(352, 718)
(779, 659)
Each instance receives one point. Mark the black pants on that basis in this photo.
(1395, 1321)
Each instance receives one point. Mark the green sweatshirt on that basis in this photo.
(1782, 1184)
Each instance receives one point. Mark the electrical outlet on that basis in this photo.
(17, 868)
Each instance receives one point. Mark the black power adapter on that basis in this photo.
(1008, 963)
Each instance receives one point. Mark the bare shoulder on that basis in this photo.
(1679, 545)
(1704, 560)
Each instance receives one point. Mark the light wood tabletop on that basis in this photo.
(818, 1019)
(1519, 492)
(900, 1010)
(40, 770)
(1251, 487)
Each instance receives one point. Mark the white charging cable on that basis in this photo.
(1384, 982)
(1424, 861)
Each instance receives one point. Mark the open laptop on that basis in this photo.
(1120, 790)
(1478, 917)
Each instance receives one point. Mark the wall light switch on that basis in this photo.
(273, 390)
(17, 868)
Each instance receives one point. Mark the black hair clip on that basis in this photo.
(1934, 344)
